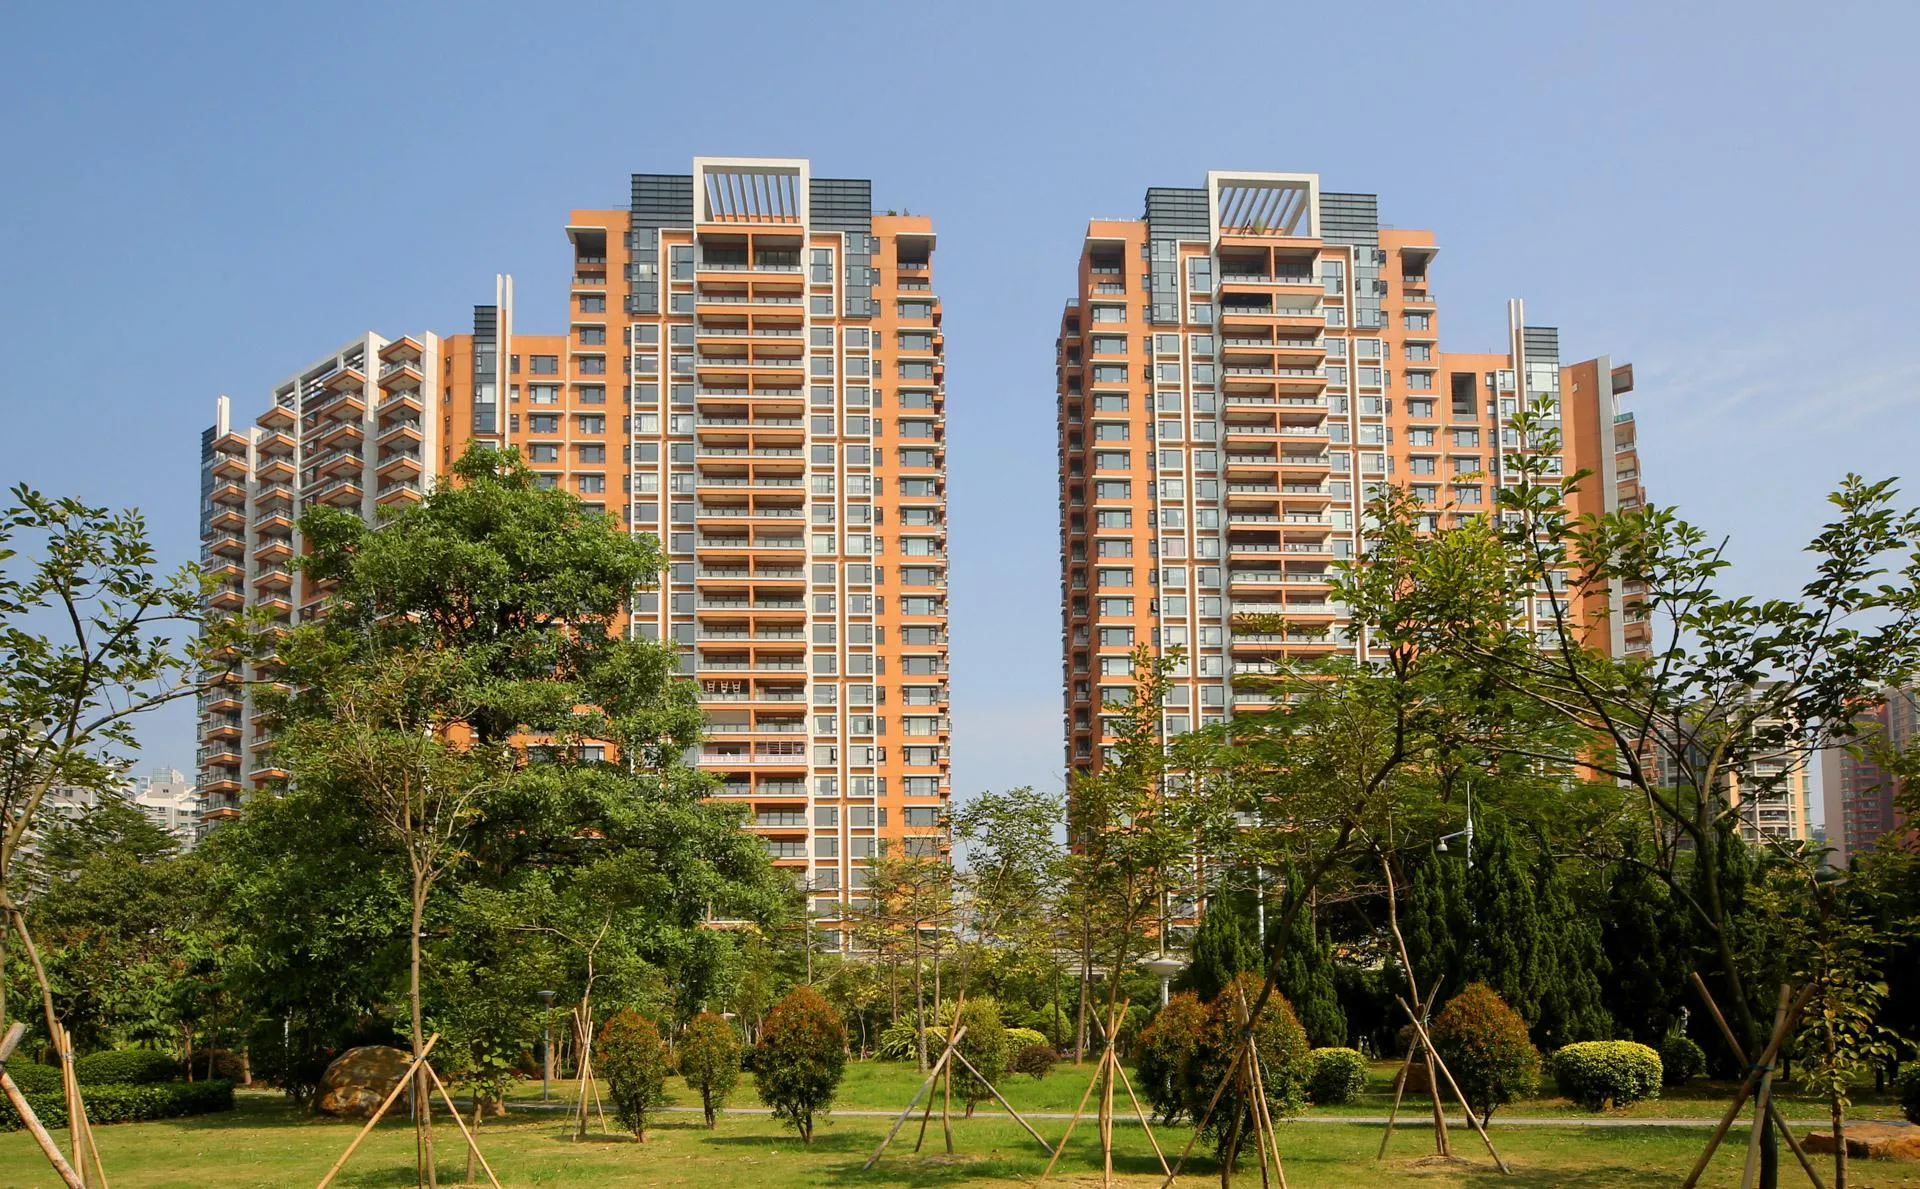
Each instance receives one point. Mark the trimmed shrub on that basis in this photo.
(34, 1078)
(125, 1103)
(128, 1067)
(1907, 1086)
(1034, 1060)
(710, 1061)
(1484, 1043)
(1282, 1044)
(634, 1061)
(1023, 1038)
(800, 1059)
(1681, 1060)
(1168, 1046)
(1600, 1073)
(984, 1044)
(1335, 1075)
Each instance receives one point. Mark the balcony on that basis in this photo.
(336, 434)
(401, 375)
(277, 469)
(400, 404)
(402, 491)
(341, 493)
(228, 493)
(399, 464)
(349, 404)
(228, 466)
(278, 417)
(275, 578)
(227, 546)
(227, 520)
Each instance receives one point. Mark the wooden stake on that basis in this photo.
(946, 1104)
(34, 1127)
(924, 1087)
(1075, 1121)
(1773, 1109)
(1265, 1112)
(1747, 1085)
(1406, 1071)
(962, 1059)
(1139, 1114)
(393, 1094)
(473, 1145)
(1433, 1055)
(1758, 1132)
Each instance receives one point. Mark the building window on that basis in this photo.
(593, 336)
(544, 365)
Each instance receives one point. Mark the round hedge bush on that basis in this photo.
(1484, 1043)
(1596, 1073)
(1034, 1060)
(1024, 1038)
(1681, 1060)
(1336, 1075)
(1908, 1087)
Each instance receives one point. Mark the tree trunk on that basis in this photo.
(426, 1173)
(919, 1004)
(1839, 1146)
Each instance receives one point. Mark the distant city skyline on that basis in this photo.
(240, 190)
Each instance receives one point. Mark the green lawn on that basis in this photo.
(264, 1143)
(883, 1085)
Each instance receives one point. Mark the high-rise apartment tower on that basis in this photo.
(1238, 368)
(751, 369)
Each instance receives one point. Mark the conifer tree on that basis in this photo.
(1506, 937)
(1572, 1006)
(1438, 925)
(1306, 979)
(1223, 946)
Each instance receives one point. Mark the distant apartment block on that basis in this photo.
(750, 366)
(1239, 368)
(1857, 791)
(166, 798)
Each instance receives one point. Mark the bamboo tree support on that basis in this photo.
(1782, 1022)
(85, 1152)
(1433, 1054)
(1773, 1109)
(924, 1087)
(1757, 1132)
(1139, 1114)
(1106, 1071)
(1017, 1116)
(473, 1145)
(406, 1077)
(1264, 1131)
(28, 1119)
(589, 1096)
(1406, 1071)
(942, 1067)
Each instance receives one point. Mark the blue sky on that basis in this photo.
(201, 198)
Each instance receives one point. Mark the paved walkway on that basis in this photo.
(1422, 1119)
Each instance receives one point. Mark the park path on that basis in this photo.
(1425, 1120)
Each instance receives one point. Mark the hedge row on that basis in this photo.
(124, 1103)
(128, 1067)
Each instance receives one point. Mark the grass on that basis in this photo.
(887, 1085)
(266, 1143)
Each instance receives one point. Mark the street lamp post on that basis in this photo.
(1166, 966)
(1466, 833)
(546, 1046)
